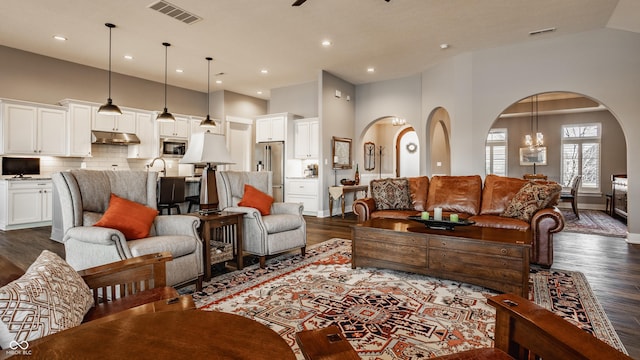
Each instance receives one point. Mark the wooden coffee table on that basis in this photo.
(494, 258)
(165, 335)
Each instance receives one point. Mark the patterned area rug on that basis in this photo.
(593, 222)
(387, 314)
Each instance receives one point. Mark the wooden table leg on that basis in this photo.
(330, 205)
(206, 237)
(342, 201)
(239, 237)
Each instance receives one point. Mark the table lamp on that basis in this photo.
(210, 149)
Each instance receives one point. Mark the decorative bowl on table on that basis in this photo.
(347, 182)
(444, 224)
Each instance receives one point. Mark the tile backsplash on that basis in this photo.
(105, 157)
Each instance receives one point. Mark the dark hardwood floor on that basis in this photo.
(611, 265)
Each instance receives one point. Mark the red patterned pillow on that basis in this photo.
(391, 193)
(531, 198)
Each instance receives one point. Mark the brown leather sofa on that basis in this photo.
(466, 196)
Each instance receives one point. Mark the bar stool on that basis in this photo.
(607, 206)
(171, 193)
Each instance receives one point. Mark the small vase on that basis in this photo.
(357, 176)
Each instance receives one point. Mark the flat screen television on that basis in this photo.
(20, 166)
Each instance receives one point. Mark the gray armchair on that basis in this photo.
(84, 197)
(282, 230)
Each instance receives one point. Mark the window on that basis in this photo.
(496, 152)
(581, 155)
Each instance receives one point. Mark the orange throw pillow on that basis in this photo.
(131, 218)
(256, 199)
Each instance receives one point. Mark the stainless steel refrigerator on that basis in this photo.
(272, 156)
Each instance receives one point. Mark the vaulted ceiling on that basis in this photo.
(396, 38)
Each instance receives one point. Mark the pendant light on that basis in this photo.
(539, 138)
(208, 122)
(109, 108)
(165, 116)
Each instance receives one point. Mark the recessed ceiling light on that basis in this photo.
(128, 57)
(179, 71)
(60, 37)
(218, 81)
(444, 46)
(259, 92)
(264, 71)
(326, 43)
(371, 70)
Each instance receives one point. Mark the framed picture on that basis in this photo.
(530, 156)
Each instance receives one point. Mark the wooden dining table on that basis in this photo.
(164, 335)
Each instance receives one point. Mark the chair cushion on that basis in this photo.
(455, 194)
(532, 197)
(177, 245)
(256, 199)
(131, 218)
(282, 222)
(50, 297)
(391, 193)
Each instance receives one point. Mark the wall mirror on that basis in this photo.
(341, 153)
(369, 156)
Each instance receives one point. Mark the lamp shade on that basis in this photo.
(207, 148)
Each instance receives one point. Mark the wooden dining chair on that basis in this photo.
(572, 195)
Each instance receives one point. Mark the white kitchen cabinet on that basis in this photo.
(31, 129)
(306, 139)
(303, 191)
(175, 129)
(80, 119)
(25, 203)
(125, 123)
(273, 127)
(149, 146)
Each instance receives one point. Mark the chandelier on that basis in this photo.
(531, 140)
(396, 121)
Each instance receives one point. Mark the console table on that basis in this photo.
(337, 192)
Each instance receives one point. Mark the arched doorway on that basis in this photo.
(439, 148)
(383, 134)
(407, 153)
(580, 136)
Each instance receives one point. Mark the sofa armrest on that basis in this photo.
(363, 208)
(544, 224)
(287, 208)
(177, 225)
(96, 235)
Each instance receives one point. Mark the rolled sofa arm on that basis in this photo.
(363, 208)
(544, 224)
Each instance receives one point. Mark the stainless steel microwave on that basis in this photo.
(173, 147)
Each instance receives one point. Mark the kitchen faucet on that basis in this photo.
(164, 165)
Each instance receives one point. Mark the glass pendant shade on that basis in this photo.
(165, 116)
(109, 108)
(208, 122)
(539, 137)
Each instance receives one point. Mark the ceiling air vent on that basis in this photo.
(175, 12)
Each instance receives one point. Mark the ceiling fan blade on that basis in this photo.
(298, 2)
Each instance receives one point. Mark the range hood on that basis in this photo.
(113, 138)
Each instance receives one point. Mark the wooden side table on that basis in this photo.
(337, 192)
(227, 223)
